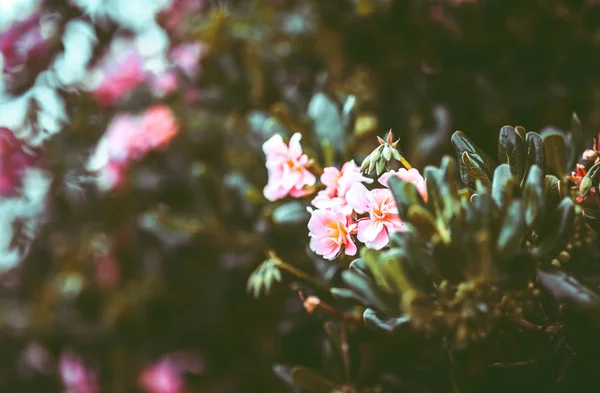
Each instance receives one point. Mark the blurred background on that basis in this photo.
(125, 258)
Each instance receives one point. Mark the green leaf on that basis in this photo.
(592, 217)
(365, 290)
(405, 195)
(591, 179)
(481, 160)
(567, 288)
(555, 146)
(472, 171)
(411, 255)
(560, 228)
(503, 186)
(536, 152)
(360, 267)
(511, 151)
(388, 324)
(333, 333)
(512, 231)
(552, 191)
(377, 269)
(328, 123)
(312, 382)
(521, 131)
(423, 222)
(290, 213)
(533, 195)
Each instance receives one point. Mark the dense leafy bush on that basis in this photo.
(136, 209)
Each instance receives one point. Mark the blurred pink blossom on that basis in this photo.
(107, 271)
(13, 162)
(119, 77)
(187, 57)
(164, 83)
(412, 176)
(329, 231)
(383, 216)
(22, 43)
(76, 377)
(158, 127)
(130, 138)
(161, 377)
(173, 17)
(287, 168)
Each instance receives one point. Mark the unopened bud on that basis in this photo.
(589, 155)
(311, 303)
(387, 152)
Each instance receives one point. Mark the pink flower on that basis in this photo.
(158, 126)
(161, 377)
(337, 184)
(329, 231)
(75, 376)
(287, 168)
(383, 216)
(121, 77)
(13, 162)
(412, 176)
(324, 201)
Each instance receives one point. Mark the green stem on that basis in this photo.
(300, 274)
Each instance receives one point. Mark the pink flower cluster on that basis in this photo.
(167, 374)
(287, 167)
(76, 377)
(346, 208)
(161, 377)
(13, 162)
(129, 138)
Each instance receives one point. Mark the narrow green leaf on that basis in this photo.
(503, 186)
(533, 195)
(560, 227)
(472, 171)
(536, 152)
(389, 325)
(512, 231)
(511, 151)
(555, 146)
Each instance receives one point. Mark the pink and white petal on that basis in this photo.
(274, 146)
(380, 241)
(330, 177)
(318, 223)
(384, 179)
(294, 148)
(358, 197)
(370, 231)
(327, 247)
(349, 246)
(274, 191)
(301, 192)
